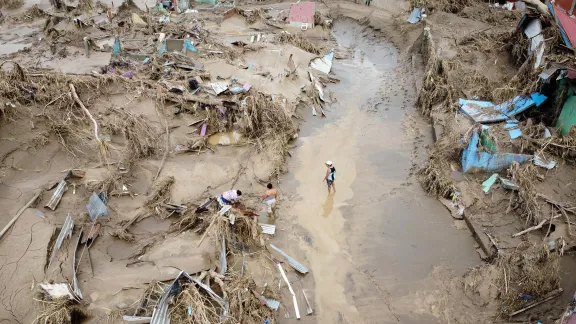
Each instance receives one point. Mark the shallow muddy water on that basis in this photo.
(371, 245)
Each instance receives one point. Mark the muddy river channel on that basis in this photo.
(373, 244)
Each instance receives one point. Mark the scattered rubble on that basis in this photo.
(150, 93)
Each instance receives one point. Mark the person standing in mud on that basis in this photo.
(269, 199)
(367, 3)
(330, 176)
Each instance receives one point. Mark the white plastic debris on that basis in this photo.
(543, 163)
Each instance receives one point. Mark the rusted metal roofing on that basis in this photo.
(564, 4)
(568, 24)
(565, 22)
(302, 12)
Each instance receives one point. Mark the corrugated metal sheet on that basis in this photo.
(136, 319)
(66, 231)
(268, 229)
(293, 263)
(487, 112)
(564, 4)
(75, 285)
(567, 24)
(57, 195)
(161, 313)
(302, 13)
(96, 207)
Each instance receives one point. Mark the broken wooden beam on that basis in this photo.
(15, 218)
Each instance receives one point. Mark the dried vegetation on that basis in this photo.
(57, 311)
(453, 6)
(529, 270)
(299, 41)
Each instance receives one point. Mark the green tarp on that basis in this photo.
(567, 117)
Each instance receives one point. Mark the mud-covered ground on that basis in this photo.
(379, 250)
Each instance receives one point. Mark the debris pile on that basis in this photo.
(529, 274)
(506, 136)
(136, 97)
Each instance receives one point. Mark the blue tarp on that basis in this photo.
(116, 46)
(515, 133)
(474, 160)
(189, 47)
(487, 112)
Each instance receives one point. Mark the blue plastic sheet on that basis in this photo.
(116, 46)
(96, 207)
(515, 133)
(415, 16)
(189, 47)
(487, 112)
(474, 160)
(162, 49)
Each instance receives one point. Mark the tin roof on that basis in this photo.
(564, 4)
(302, 12)
(567, 23)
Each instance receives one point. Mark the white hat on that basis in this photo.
(329, 162)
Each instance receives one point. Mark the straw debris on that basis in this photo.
(141, 136)
(11, 4)
(453, 6)
(299, 41)
(530, 269)
(435, 89)
(526, 202)
(57, 311)
(159, 195)
(252, 16)
(244, 231)
(561, 146)
(244, 307)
